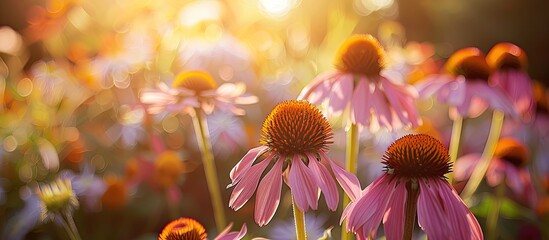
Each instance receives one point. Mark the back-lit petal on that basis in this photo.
(227, 235)
(341, 93)
(325, 181)
(348, 181)
(245, 163)
(372, 205)
(268, 195)
(431, 214)
(303, 185)
(394, 218)
(247, 185)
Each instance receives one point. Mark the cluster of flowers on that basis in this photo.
(419, 180)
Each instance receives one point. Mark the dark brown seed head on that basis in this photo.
(416, 156)
(183, 229)
(507, 56)
(512, 151)
(470, 63)
(296, 127)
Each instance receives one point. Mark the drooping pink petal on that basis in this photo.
(431, 86)
(325, 181)
(402, 99)
(381, 107)
(341, 93)
(247, 185)
(348, 181)
(463, 223)
(245, 163)
(493, 96)
(303, 185)
(431, 214)
(316, 91)
(465, 165)
(226, 235)
(268, 195)
(393, 221)
(518, 85)
(372, 205)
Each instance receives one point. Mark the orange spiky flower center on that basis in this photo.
(360, 54)
(195, 80)
(296, 127)
(415, 156)
(507, 56)
(512, 151)
(470, 63)
(183, 229)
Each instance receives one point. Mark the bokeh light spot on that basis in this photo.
(276, 8)
(24, 87)
(10, 143)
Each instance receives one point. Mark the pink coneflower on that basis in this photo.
(294, 142)
(414, 179)
(509, 62)
(359, 83)
(464, 86)
(508, 165)
(196, 89)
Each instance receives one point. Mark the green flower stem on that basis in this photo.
(454, 144)
(299, 218)
(351, 155)
(493, 214)
(203, 139)
(486, 158)
(412, 189)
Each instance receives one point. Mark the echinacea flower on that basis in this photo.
(509, 62)
(190, 229)
(508, 165)
(196, 89)
(373, 97)
(57, 198)
(413, 182)
(464, 86)
(295, 138)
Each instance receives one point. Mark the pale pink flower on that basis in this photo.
(508, 61)
(465, 86)
(196, 89)
(508, 165)
(374, 97)
(294, 142)
(413, 182)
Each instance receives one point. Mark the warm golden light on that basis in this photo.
(276, 8)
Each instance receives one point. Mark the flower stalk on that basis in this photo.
(493, 214)
(203, 139)
(455, 140)
(351, 155)
(486, 158)
(299, 218)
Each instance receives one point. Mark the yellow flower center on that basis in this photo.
(415, 156)
(360, 54)
(183, 229)
(511, 151)
(470, 63)
(195, 80)
(296, 127)
(507, 56)
(57, 195)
